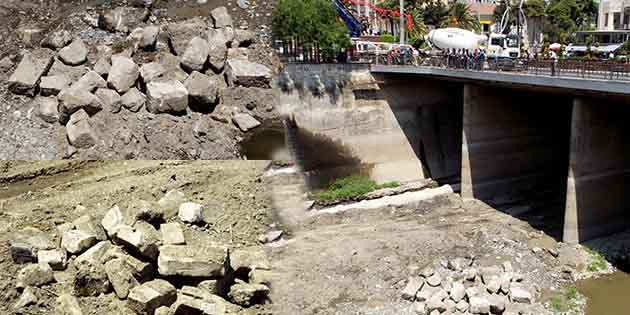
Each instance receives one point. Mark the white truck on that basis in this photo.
(497, 45)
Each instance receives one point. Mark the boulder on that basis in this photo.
(27, 298)
(434, 280)
(151, 71)
(414, 284)
(146, 298)
(90, 225)
(497, 303)
(52, 85)
(469, 274)
(270, 236)
(77, 241)
(167, 97)
(245, 294)
(80, 134)
(182, 33)
(103, 66)
(112, 220)
(120, 276)
(123, 74)
(195, 55)
(137, 241)
(202, 90)
(519, 294)
(420, 308)
(189, 261)
(190, 212)
(47, 109)
(248, 74)
(221, 17)
(221, 36)
(90, 280)
(245, 122)
(110, 99)
(67, 304)
(96, 255)
(74, 54)
(170, 202)
(123, 19)
(458, 292)
(34, 275)
(72, 73)
(462, 306)
(243, 38)
(149, 37)
(57, 259)
(72, 100)
(172, 234)
(436, 303)
(57, 39)
(426, 292)
(479, 305)
(90, 82)
(35, 64)
(133, 100)
(217, 56)
(143, 271)
(190, 305)
(172, 66)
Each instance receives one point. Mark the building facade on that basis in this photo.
(613, 15)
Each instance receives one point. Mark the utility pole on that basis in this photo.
(402, 22)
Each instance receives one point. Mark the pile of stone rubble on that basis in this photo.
(459, 287)
(141, 258)
(165, 69)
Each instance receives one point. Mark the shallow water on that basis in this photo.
(265, 144)
(607, 295)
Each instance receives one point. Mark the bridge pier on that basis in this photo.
(599, 172)
(514, 145)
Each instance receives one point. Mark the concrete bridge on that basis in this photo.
(504, 136)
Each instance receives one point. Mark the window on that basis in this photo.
(497, 41)
(617, 20)
(605, 20)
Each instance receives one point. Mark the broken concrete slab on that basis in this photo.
(168, 96)
(27, 298)
(414, 284)
(52, 85)
(91, 225)
(90, 82)
(77, 241)
(172, 234)
(72, 100)
(202, 90)
(248, 74)
(189, 305)
(95, 255)
(146, 298)
(171, 201)
(151, 71)
(103, 66)
(35, 64)
(137, 241)
(191, 261)
(244, 294)
(112, 219)
(245, 122)
(72, 73)
(181, 33)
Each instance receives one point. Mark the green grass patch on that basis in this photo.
(566, 301)
(598, 262)
(350, 188)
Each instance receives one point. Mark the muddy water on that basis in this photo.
(265, 144)
(607, 295)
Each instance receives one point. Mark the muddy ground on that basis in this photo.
(195, 135)
(358, 261)
(46, 194)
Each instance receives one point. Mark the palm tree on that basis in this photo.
(460, 16)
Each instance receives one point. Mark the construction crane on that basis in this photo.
(355, 26)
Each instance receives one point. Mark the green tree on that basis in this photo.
(311, 23)
(461, 16)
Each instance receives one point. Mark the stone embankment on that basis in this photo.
(141, 256)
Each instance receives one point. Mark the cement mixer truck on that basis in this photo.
(496, 45)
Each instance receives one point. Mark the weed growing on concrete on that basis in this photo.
(349, 188)
(568, 302)
(598, 262)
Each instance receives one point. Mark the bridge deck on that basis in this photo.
(515, 78)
